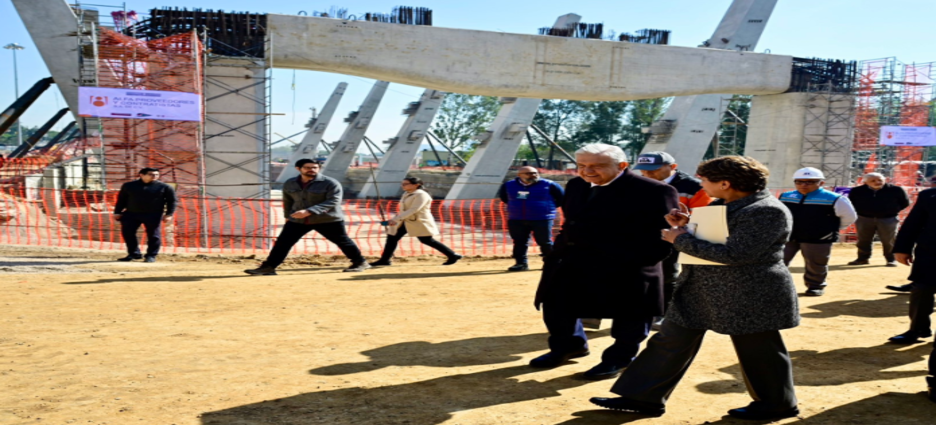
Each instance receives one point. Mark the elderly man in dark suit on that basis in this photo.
(606, 260)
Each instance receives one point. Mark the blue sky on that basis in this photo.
(839, 29)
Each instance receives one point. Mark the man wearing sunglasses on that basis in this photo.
(818, 216)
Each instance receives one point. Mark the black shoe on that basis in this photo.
(552, 359)
(909, 337)
(858, 262)
(519, 267)
(624, 405)
(452, 260)
(262, 271)
(603, 370)
(902, 288)
(756, 411)
(380, 263)
(131, 258)
(149, 259)
(891, 264)
(816, 292)
(359, 267)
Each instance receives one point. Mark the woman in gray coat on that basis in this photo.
(750, 297)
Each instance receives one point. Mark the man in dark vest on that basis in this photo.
(877, 203)
(916, 245)
(531, 207)
(661, 166)
(147, 202)
(818, 216)
(606, 261)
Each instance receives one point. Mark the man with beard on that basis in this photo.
(311, 201)
(606, 260)
(531, 207)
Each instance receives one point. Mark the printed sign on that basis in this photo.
(100, 102)
(908, 136)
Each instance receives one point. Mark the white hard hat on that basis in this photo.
(808, 173)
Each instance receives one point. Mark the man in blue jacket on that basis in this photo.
(531, 207)
(818, 216)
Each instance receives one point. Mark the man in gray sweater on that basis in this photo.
(311, 201)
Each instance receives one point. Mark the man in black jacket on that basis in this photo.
(916, 245)
(877, 204)
(147, 202)
(605, 262)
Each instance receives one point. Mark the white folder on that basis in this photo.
(711, 225)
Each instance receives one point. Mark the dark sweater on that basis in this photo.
(153, 198)
(885, 202)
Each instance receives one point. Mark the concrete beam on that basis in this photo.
(395, 164)
(342, 155)
(517, 65)
(52, 26)
(690, 123)
(308, 147)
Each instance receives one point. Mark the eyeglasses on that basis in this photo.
(806, 182)
(532, 174)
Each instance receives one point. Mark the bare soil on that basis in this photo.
(193, 340)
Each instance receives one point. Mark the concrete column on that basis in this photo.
(340, 158)
(51, 194)
(488, 166)
(308, 147)
(52, 26)
(403, 148)
(690, 123)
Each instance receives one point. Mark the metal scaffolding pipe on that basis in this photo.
(13, 112)
(23, 149)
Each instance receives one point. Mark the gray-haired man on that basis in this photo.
(877, 203)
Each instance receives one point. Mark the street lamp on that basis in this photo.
(14, 47)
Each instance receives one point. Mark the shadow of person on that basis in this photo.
(466, 352)
(160, 279)
(419, 403)
(603, 417)
(837, 367)
(801, 270)
(374, 276)
(892, 306)
(893, 408)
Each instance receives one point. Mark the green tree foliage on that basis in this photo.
(462, 116)
(641, 114)
(604, 123)
(10, 139)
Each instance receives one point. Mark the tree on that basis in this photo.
(10, 139)
(559, 118)
(462, 116)
(641, 114)
(603, 123)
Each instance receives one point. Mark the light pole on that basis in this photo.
(14, 47)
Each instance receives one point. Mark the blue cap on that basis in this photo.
(652, 160)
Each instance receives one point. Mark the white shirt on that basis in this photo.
(612, 180)
(669, 179)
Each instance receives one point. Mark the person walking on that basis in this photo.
(818, 216)
(750, 297)
(415, 220)
(147, 202)
(661, 166)
(531, 208)
(877, 204)
(311, 201)
(916, 246)
(606, 261)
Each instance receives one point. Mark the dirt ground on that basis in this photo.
(193, 340)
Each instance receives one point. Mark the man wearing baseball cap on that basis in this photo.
(661, 166)
(818, 216)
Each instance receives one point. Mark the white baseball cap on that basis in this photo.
(808, 173)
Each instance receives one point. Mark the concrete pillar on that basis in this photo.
(518, 65)
(340, 158)
(308, 147)
(51, 193)
(52, 26)
(395, 164)
(486, 169)
(690, 123)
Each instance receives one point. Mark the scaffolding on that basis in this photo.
(892, 93)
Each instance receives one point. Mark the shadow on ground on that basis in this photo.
(893, 306)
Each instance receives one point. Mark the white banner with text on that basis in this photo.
(908, 136)
(101, 102)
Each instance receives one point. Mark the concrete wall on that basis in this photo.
(517, 65)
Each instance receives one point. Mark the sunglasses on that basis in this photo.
(806, 182)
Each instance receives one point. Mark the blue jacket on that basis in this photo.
(534, 202)
(814, 218)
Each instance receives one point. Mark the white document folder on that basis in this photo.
(711, 225)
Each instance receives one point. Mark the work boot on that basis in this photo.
(263, 270)
(358, 267)
(519, 267)
(452, 260)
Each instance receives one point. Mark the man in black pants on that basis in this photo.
(311, 201)
(915, 245)
(148, 202)
(877, 204)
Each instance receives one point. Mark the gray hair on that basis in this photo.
(878, 175)
(611, 151)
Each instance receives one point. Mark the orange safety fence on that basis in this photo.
(84, 219)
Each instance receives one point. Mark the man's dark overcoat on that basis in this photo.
(606, 260)
(920, 229)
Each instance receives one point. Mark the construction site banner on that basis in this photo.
(908, 136)
(101, 102)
